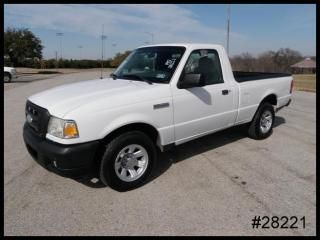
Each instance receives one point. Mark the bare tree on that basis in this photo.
(269, 61)
(285, 57)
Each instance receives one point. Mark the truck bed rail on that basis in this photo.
(253, 76)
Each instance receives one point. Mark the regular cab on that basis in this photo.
(160, 96)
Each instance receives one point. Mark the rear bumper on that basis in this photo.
(286, 105)
(65, 160)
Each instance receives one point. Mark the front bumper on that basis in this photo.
(13, 74)
(65, 160)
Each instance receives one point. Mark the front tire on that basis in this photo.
(7, 77)
(127, 161)
(262, 123)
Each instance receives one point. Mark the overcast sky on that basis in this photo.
(254, 28)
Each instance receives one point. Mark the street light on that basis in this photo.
(114, 45)
(56, 54)
(80, 47)
(228, 28)
(60, 34)
(152, 36)
(103, 37)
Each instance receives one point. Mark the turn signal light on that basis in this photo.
(291, 86)
(70, 130)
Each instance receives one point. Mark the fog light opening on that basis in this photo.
(94, 180)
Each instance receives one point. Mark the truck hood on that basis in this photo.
(8, 69)
(103, 93)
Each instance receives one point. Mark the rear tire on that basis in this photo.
(262, 123)
(7, 77)
(128, 161)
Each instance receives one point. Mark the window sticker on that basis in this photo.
(160, 75)
(203, 53)
(176, 55)
(170, 62)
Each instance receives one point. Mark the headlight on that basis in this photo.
(62, 128)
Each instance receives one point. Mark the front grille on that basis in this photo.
(37, 118)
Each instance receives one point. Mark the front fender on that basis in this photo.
(126, 120)
(6, 72)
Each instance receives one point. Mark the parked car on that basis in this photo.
(9, 74)
(159, 97)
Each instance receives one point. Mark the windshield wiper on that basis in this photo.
(137, 77)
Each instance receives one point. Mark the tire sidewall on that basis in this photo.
(107, 171)
(9, 77)
(263, 108)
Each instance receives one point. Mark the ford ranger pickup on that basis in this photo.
(160, 96)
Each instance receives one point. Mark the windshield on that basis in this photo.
(151, 64)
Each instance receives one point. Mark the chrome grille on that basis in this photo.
(37, 118)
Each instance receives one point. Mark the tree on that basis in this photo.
(21, 44)
(269, 61)
(285, 57)
(265, 62)
(118, 58)
(243, 62)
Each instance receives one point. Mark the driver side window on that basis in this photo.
(204, 62)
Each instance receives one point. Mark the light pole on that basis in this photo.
(60, 34)
(56, 53)
(114, 45)
(103, 37)
(80, 55)
(152, 36)
(228, 28)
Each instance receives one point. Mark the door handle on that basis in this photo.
(225, 91)
(160, 105)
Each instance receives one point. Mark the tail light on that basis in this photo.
(291, 86)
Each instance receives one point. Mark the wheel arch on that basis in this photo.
(8, 73)
(146, 128)
(270, 98)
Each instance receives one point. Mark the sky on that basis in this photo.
(254, 28)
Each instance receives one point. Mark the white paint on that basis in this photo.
(101, 106)
(10, 70)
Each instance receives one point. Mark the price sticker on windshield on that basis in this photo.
(160, 75)
(203, 52)
(170, 62)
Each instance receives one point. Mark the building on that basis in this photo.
(305, 66)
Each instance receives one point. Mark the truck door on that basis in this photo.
(200, 110)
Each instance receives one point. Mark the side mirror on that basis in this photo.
(114, 76)
(191, 80)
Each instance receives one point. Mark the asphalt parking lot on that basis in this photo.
(211, 186)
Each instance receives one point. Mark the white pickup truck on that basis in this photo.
(9, 73)
(160, 96)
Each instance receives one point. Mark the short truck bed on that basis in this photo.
(253, 76)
